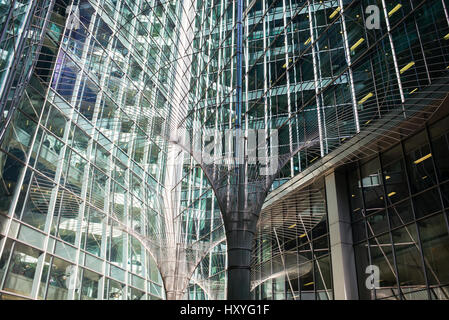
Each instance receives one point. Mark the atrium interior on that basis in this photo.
(215, 149)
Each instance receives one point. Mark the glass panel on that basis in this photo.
(66, 222)
(445, 194)
(4, 258)
(10, 169)
(93, 231)
(138, 282)
(65, 251)
(117, 250)
(93, 263)
(38, 200)
(382, 257)
(394, 175)
(377, 223)
(134, 294)
(419, 162)
(136, 256)
(117, 273)
(427, 203)
(358, 231)
(22, 269)
(400, 213)
(355, 192)
(361, 262)
(116, 290)
(440, 144)
(31, 236)
(372, 186)
(435, 245)
(323, 277)
(89, 285)
(408, 258)
(61, 279)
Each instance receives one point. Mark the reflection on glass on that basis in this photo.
(22, 268)
(115, 290)
(60, 280)
(408, 258)
(372, 186)
(89, 285)
(435, 246)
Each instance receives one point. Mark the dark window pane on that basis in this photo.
(358, 230)
(427, 203)
(355, 192)
(372, 186)
(408, 258)
(435, 244)
(377, 223)
(400, 213)
(445, 194)
(361, 262)
(440, 145)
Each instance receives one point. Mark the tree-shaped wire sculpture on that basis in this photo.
(234, 157)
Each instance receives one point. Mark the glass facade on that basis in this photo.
(22, 26)
(312, 69)
(203, 220)
(399, 204)
(292, 250)
(83, 160)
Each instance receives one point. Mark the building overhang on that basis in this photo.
(427, 106)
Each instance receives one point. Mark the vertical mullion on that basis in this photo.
(407, 177)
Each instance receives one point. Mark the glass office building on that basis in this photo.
(355, 89)
(83, 158)
(321, 70)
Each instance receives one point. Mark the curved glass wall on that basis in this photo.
(83, 161)
(292, 251)
(22, 26)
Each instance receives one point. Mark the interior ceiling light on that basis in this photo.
(333, 14)
(392, 11)
(369, 95)
(359, 42)
(408, 66)
(427, 156)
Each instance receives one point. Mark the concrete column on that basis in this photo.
(342, 252)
